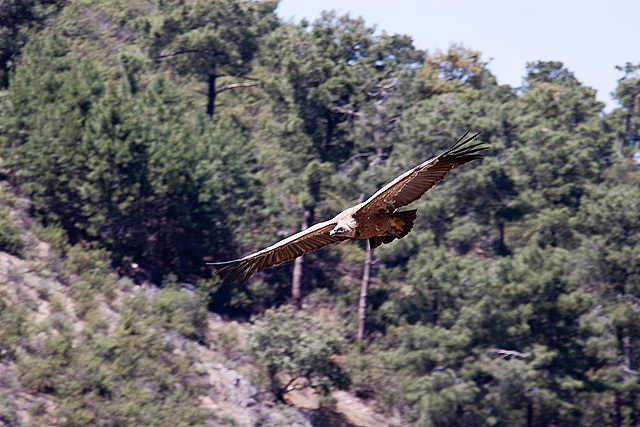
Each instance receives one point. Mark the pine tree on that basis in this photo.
(207, 40)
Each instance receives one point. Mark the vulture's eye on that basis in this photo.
(339, 230)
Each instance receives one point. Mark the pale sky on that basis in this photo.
(590, 37)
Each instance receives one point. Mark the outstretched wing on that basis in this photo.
(412, 184)
(314, 237)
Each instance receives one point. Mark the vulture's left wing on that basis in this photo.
(314, 237)
(412, 184)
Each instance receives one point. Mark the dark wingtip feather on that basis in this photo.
(238, 267)
(463, 140)
(462, 148)
(232, 270)
(234, 266)
(240, 270)
(250, 272)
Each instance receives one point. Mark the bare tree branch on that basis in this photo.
(185, 51)
(235, 85)
(179, 52)
(280, 393)
(349, 112)
(508, 353)
(389, 85)
(352, 158)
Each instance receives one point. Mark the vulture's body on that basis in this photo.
(376, 219)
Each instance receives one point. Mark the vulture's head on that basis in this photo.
(344, 228)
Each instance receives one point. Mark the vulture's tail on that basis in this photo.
(407, 217)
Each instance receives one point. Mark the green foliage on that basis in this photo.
(448, 361)
(8, 408)
(131, 377)
(15, 330)
(607, 221)
(206, 40)
(19, 18)
(296, 344)
(56, 237)
(627, 94)
(183, 311)
(44, 117)
(514, 301)
(11, 240)
(144, 188)
(87, 261)
(458, 70)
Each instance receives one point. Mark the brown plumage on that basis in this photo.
(376, 219)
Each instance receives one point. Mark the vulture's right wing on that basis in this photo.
(412, 184)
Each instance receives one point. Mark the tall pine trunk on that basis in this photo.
(529, 414)
(617, 409)
(211, 93)
(296, 280)
(364, 290)
(630, 400)
(627, 350)
(366, 274)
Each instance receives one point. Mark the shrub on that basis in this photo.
(56, 237)
(10, 239)
(183, 311)
(299, 345)
(8, 409)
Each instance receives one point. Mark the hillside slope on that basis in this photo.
(80, 345)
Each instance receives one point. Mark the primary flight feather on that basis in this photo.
(376, 219)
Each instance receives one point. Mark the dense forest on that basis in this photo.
(149, 137)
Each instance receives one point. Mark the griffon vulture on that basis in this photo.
(376, 219)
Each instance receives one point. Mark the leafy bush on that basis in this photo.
(88, 261)
(8, 408)
(11, 240)
(57, 237)
(15, 328)
(183, 311)
(131, 377)
(297, 344)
